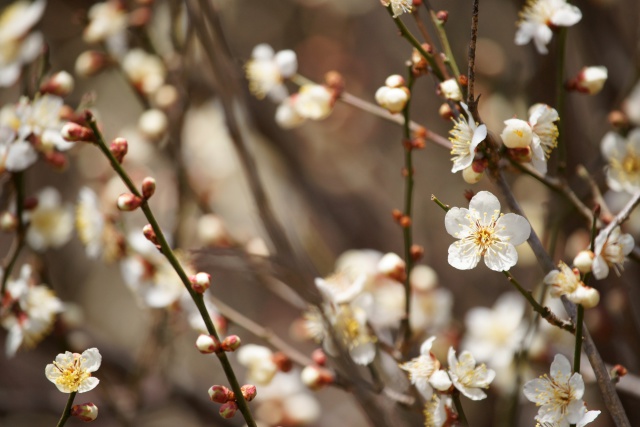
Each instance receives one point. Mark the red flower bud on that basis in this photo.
(128, 202)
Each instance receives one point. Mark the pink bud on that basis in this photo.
(86, 411)
(220, 394)
(319, 357)
(75, 132)
(200, 282)
(228, 409)
(60, 84)
(207, 344)
(119, 148)
(90, 63)
(316, 377)
(128, 202)
(148, 187)
(249, 391)
(442, 16)
(231, 343)
(150, 234)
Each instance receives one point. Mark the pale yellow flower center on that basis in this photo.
(72, 375)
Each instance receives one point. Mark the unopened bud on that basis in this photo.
(583, 261)
(590, 80)
(392, 266)
(334, 81)
(517, 134)
(282, 361)
(30, 203)
(249, 392)
(445, 111)
(207, 344)
(8, 221)
(219, 394)
(150, 234)
(618, 119)
(423, 278)
(119, 148)
(418, 143)
(405, 221)
(231, 343)
(128, 202)
(148, 187)
(57, 160)
(617, 372)
(200, 282)
(443, 16)
(316, 377)
(60, 84)
(450, 89)
(74, 132)
(319, 357)
(589, 297)
(139, 17)
(416, 252)
(397, 215)
(166, 96)
(463, 80)
(471, 175)
(85, 411)
(394, 80)
(90, 63)
(393, 99)
(228, 409)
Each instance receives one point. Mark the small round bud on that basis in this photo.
(583, 261)
(282, 361)
(30, 203)
(8, 221)
(85, 411)
(90, 63)
(463, 80)
(319, 357)
(231, 343)
(394, 81)
(148, 187)
(416, 252)
(200, 282)
(128, 202)
(150, 234)
(119, 148)
(153, 123)
(334, 81)
(139, 17)
(397, 215)
(618, 119)
(228, 409)
(207, 344)
(392, 266)
(589, 298)
(74, 132)
(60, 84)
(57, 160)
(450, 89)
(423, 278)
(471, 176)
(445, 111)
(316, 377)
(443, 16)
(405, 221)
(249, 392)
(219, 394)
(166, 96)
(617, 372)
(392, 98)
(517, 134)
(590, 80)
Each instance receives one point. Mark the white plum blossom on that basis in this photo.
(339, 288)
(517, 133)
(287, 116)
(71, 372)
(89, 221)
(266, 71)
(468, 378)
(437, 411)
(485, 232)
(17, 46)
(50, 223)
(611, 250)
(591, 80)
(393, 99)
(259, 363)
(30, 311)
(145, 70)
(567, 282)
(314, 102)
(559, 396)
(398, 7)
(465, 137)
(451, 90)
(542, 119)
(539, 17)
(425, 373)
(623, 170)
(107, 21)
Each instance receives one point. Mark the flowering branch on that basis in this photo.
(66, 412)
(165, 249)
(624, 214)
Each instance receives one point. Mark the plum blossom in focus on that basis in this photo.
(425, 373)
(468, 378)
(71, 372)
(539, 17)
(398, 7)
(611, 250)
(466, 135)
(566, 281)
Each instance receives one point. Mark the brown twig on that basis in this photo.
(471, 100)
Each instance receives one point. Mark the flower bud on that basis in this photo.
(74, 132)
(90, 63)
(335, 82)
(590, 297)
(128, 202)
(166, 96)
(60, 84)
(219, 394)
(583, 261)
(231, 343)
(443, 16)
(282, 361)
(423, 278)
(249, 392)
(8, 221)
(57, 160)
(450, 89)
(517, 134)
(200, 282)
(319, 357)
(119, 148)
(153, 123)
(316, 377)
(590, 80)
(618, 119)
(85, 411)
(139, 17)
(470, 175)
(397, 215)
(416, 252)
(393, 99)
(207, 344)
(150, 234)
(228, 409)
(394, 81)
(617, 372)
(148, 187)
(392, 266)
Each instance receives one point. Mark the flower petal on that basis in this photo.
(87, 385)
(91, 359)
(456, 222)
(485, 203)
(463, 257)
(513, 228)
(501, 258)
(560, 367)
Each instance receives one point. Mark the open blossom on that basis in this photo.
(559, 396)
(266, 71)
(89, 221)
(468, 378)
(398, 7)
(30, 313)
(17, 46)
(314, 102)
(539, 17)
(107, 20)
(567, 282)
(465, 137)
(50, 223)
(438, 412)
(542, 119)
(339, 288)
(623, 171)
(425, 373)
(145, 70)
(611, 251)
(71, 372)
(259, 362)
(484, 232)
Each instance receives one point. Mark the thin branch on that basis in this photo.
(471, 100)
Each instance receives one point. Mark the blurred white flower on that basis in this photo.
(424, 371)
(30, 311)
(542, 119)
(539, 16)
(145, 71)
(450, 89)
(468, 378)
(398, 7)
(71, 372)
(90, 221)
(339, 288)
(484, 232)
(611, 251)
(560, 397)
(590, 80)
(17, 46)
(314, 102)
(287, 116)
(623, 155)
(50, 223)
(465, 137)
(108, 22)
(437, 411)
(266, 71)
(567, 282)
(259, 363)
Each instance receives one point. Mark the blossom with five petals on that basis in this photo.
(611, 250)
(425, 373)
(71, 372)
(468, 378)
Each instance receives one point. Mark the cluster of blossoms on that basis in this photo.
(394, 95)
